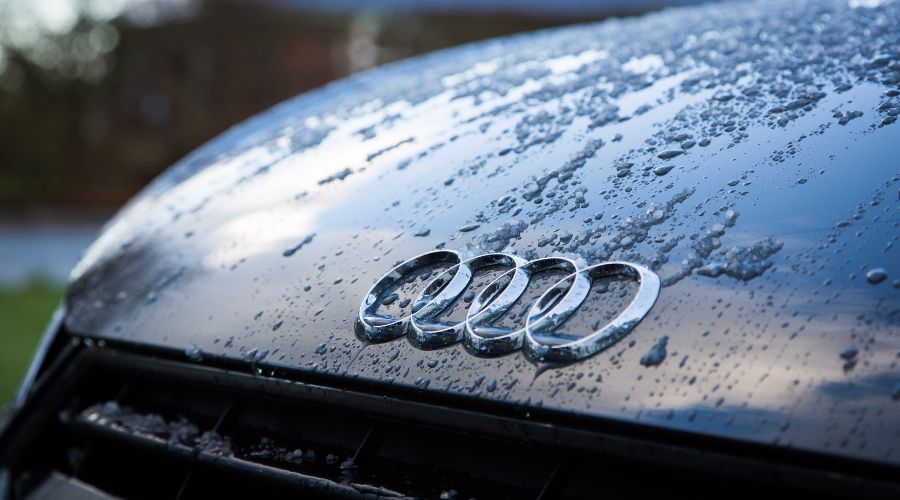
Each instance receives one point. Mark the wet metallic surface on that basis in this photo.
(749, 156)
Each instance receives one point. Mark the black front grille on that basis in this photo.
(144, 427)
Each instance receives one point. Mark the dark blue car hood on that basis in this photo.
(771, 231)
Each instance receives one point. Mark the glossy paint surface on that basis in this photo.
(746, 153)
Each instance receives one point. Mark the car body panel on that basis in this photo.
(260, 246)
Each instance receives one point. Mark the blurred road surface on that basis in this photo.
(44, 247)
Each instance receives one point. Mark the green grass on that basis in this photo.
(24, 312)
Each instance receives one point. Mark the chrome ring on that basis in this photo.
(375, 328)
(496, 299)
(550, 311)
(427, 332)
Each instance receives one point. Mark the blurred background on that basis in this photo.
(97, 97)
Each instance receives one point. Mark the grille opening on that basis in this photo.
(203, 408)
(116, 469)
(139, 433)
(138, 438)
(506, 466)
(208, 483)
(301, 438)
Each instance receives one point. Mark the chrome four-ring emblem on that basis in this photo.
(477, 332)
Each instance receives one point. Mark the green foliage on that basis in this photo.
(24, 312)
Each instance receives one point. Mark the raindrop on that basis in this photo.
(669, 154)
(849, 356)
(657, 353)
(295, 248)
(723, 95)
(662, 170)
(255, 355)
(849, 353)
(194, 353)
(730, 218)
(875, 276)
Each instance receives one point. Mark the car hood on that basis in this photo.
(747, 153)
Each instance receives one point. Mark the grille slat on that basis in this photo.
(188, 457)
(141, 427)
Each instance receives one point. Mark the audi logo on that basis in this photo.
(479, 332)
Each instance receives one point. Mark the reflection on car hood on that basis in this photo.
(746, 152)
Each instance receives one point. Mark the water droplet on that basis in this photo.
(657, 353)
(730, 218)
(849, 353)
(295, 248)
(255, 355)
(663, 170)
(669, 154)
(194, 353)
(877, 275)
